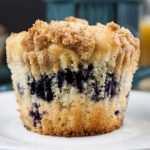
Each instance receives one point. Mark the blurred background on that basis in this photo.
(17, 15)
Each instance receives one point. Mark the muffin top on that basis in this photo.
(55, 45)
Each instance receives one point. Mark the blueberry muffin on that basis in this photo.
(70, 78)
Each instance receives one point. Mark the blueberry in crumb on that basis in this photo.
(80, 66)
(85, 73)
(40, 89)
(79, 81)
(108, 84)
(69, 76)
(36, 106)
(90, 69)
(114, 88)
(61, 78)
(82, 76)
(34, 113)
(111, 85)
(117, 112)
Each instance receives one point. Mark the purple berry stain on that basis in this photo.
(34, 113)
(116, 112)
(20, 89)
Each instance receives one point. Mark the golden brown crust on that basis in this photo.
(93, 129)
(81, 119)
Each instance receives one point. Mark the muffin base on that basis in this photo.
(79, 133)
(76, 121)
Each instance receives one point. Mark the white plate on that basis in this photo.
(134, 134)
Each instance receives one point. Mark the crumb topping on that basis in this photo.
(75, 36)
(64, 44)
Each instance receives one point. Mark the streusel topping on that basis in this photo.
(65, 44)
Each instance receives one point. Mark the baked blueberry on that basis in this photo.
(34, 113)
(40, 89)
(61, 78)
(117, 112)
(79, 81)
(111, 85)
(69, 76)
